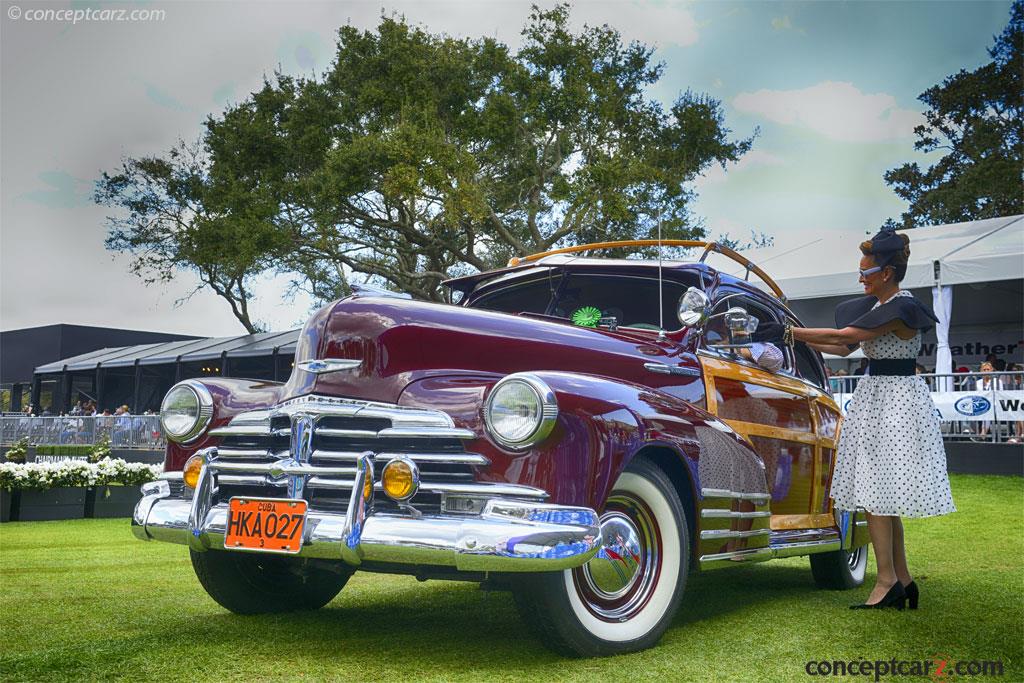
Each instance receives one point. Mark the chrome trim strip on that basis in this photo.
(281, 468)
(729, 533)
(806, 548)
(725, 493)
(347, 433)
(419, 458)
(323, 365)
(748, 552)
(863, 522)
(249, 453)
(249, 480)
(426, 433)
(242, 430)
(732, 514)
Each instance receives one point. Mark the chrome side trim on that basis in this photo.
(733, 514)
(764, 553)
(729, 533)
(806, 548)
(665, 369)
(725, 493)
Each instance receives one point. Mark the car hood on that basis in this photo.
(399, 341)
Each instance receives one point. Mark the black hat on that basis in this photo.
(885, 245)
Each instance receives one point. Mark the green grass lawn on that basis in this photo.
(85, 600)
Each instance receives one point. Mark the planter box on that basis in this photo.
(5, 505)
(59, 503)
(112, 501)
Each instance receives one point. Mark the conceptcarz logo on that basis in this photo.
(972, 405)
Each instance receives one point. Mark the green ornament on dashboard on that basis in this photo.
(588, 316)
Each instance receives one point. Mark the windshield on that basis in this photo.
(586, 299)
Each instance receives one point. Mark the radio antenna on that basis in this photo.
(661, 305)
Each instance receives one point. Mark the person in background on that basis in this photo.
(919, 369)
(984, 384)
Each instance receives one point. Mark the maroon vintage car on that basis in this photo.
(584, 432)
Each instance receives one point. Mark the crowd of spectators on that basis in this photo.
(85, 424)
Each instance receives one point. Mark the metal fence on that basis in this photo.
(124, 431)
(1003, 427)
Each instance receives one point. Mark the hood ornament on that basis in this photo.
(324, 365)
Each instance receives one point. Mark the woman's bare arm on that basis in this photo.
(834, 349)
(847, 335)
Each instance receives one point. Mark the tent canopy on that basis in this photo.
(989, 250)
(246, 345)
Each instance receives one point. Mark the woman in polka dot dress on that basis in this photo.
(890, 460)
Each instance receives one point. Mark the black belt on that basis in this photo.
(892, 366)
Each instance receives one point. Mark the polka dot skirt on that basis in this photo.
(891, 460)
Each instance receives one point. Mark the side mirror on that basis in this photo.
(693, 308)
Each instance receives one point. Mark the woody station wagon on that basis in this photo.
(583, 432)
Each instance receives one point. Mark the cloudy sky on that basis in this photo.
(833, 87)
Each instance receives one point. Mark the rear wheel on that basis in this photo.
(258, 584)
(840, 569)
(625, 597)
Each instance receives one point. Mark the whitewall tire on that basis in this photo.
(624, 599)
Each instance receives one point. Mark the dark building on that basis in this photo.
(21, 351)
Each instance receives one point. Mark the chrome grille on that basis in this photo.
(258, 457)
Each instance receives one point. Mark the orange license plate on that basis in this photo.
(265, 524)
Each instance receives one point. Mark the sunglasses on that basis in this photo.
(870, 271)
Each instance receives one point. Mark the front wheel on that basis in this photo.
(624, 598)
(249, 583)
(840, 569)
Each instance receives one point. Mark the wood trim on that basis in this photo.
(812, 521)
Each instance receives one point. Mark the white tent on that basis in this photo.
(818, 272)
(826, 265)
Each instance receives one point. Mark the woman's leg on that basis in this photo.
(899, 552)
(880, 528)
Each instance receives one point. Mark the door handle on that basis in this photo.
(663, 369)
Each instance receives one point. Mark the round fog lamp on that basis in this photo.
(400, 479)
(190, 474)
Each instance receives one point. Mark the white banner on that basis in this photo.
(1010, 404)
(961, 406)
(968, 406)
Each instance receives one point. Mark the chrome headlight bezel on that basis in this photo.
(547, 413)
(204, 413)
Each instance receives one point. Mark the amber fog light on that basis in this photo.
(400, 479)
(190, 475)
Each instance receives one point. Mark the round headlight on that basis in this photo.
(186, 411)
(521, 411)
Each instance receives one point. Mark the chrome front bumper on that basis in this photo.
(507, 536)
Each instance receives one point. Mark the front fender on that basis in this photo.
(602, 424)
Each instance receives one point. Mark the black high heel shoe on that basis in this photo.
(912, 594)
(895, 597)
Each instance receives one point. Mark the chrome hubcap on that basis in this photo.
(619, 580)
(615, 568)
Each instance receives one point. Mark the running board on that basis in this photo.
(786, 543)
